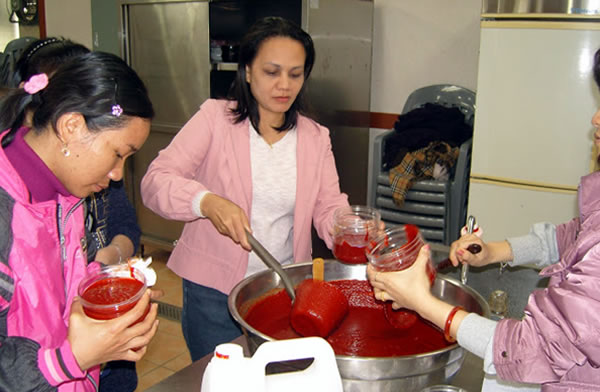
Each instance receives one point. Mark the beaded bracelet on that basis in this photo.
(451, 315)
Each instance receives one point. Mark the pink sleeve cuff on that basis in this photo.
(58, 365)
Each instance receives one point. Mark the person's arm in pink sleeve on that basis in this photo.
(58, 365)
(566, 234)
(330, 197)
(169, 187)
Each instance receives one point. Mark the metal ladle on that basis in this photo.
(273, 264)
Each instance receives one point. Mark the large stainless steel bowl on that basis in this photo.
(403, 373)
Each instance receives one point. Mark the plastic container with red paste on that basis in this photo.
(111, 291)
(318, 309)
(353, 227)
(396, 249)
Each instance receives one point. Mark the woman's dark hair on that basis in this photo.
(258, 33)
(596, 68)
(90, 84)
(44, 56)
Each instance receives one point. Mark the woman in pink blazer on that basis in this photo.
(251, 162)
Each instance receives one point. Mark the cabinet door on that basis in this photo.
(339, 86)
(155, 230)
(168, 46)
(167, 43)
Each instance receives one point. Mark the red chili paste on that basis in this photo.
(319, 308)
(364, 332)
(351, 249)
(412, 232)
(111, 291)
(401, 318)
(349, 254)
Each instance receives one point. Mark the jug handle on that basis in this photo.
(300, 348)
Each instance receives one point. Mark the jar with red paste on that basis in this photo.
(111, 291)
(353, 228)
(397, 249)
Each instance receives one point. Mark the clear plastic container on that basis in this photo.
(395, 250)
(353, 228)
(111, 291)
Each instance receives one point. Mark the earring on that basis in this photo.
(66, 152)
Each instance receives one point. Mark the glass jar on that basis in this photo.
(353, 228)
(111, 291)
(395, 250)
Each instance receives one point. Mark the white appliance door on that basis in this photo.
(533, 138)
(507, 211)
(535, 100)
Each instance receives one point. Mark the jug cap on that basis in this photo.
(229, 351)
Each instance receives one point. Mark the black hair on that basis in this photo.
(90, 84)
(44, 56)
(263, 29)
(596, 68)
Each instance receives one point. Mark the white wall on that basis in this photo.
(71, 19)
(422, 42)
(8, 30)
(418, 43)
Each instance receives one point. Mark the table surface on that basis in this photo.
(469, 377)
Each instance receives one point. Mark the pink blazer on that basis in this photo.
(212, 153)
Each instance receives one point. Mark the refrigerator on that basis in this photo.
(185, 52)
(533, 138)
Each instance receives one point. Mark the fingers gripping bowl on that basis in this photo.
(372, 373)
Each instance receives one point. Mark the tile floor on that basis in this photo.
(167, 352)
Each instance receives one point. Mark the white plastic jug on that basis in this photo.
(229, 370)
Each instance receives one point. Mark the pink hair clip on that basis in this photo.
(36, 83)
(117, 110)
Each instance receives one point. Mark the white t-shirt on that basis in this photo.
(273, 197)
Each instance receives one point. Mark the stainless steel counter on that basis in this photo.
(469, 377)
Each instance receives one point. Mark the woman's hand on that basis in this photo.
(492, 252)
(227, 217)
(97, 341)
(408, 288)
(460, 253)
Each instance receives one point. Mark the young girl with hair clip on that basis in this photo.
(253, 162)
(113, 234)
(87, 118)
(556, 344)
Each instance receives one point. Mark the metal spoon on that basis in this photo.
(465, 267)
(272, 263)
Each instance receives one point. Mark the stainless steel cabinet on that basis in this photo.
(339, 89)
(167, 43)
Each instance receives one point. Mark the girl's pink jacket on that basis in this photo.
(212, 153)
(557, 344)
(42, 261)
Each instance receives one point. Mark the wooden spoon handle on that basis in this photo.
(318, 269)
